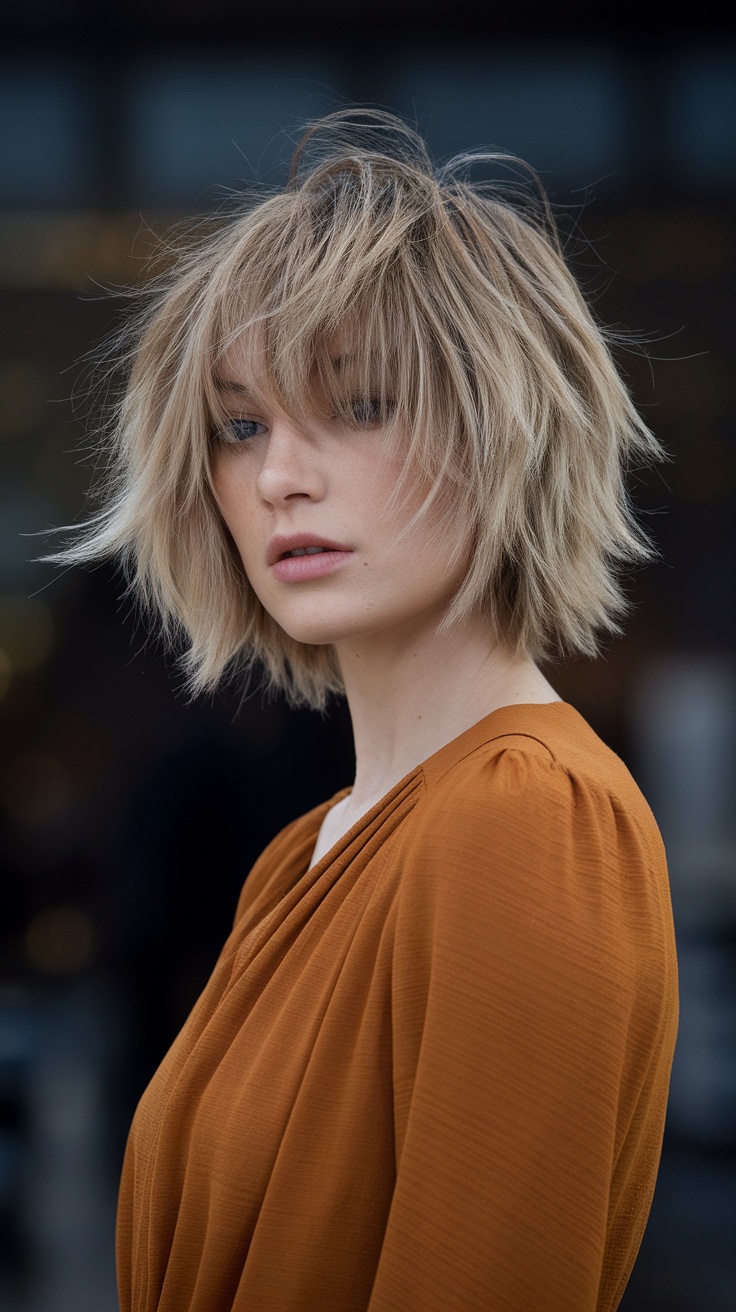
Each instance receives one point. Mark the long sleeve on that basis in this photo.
(533, 1024)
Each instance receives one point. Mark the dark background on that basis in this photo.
(128, 816)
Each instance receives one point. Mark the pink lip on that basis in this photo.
(296, 569)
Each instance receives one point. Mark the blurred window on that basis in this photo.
(196, 125)
(46, 150)
(563, 112)
(703, 118)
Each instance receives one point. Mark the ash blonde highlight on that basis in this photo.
(458, 308)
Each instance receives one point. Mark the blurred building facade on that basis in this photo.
(116, 894)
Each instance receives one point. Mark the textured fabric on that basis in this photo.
(430, 1073)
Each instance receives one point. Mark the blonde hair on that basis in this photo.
(499, 377)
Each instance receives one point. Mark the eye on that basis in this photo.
(241, 430)
(370, 411)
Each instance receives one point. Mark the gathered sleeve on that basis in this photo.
(533, 1021)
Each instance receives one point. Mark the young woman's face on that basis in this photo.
(307, 506)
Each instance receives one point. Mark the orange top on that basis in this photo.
(430, 1073)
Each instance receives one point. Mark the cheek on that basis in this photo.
(445, 548)
(224, 478)
(232, 497)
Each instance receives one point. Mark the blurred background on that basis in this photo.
(128, 817)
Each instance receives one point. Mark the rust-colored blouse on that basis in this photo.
(430, 1073)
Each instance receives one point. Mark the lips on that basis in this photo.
(296, 545)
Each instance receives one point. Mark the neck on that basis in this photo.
(409, 696)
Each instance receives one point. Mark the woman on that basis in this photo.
(373, 442)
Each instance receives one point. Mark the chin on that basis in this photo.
(317, 635)
(320, 630)
(313, 631)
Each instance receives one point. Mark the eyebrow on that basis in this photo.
(229, 385)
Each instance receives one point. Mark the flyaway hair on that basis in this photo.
(456, 307)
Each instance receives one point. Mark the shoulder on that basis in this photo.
(535, 873)
(541, 840)
(532, 775)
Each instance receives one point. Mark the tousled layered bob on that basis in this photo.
(459, 309)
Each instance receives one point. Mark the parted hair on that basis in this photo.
(462, 314)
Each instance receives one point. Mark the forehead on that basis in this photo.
(247, 368)
(242, 370)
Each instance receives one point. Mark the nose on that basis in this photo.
(291, 467)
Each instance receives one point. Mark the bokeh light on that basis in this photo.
(35, 789)
(26, 631)
(61, 941)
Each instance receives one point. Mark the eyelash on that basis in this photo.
(367, 412)
(370, 410)
(231, 431)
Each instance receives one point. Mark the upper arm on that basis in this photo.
(518, 968)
